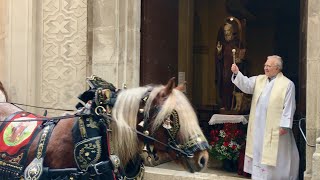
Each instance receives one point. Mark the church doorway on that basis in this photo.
(180, 37)
(182, 42)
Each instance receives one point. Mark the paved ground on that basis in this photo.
(171, 171)
(209, 170)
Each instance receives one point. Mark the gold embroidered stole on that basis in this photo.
(274, 113)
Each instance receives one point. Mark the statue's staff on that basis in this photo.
(234, 87)
(234, 55)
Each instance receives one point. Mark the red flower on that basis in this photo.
(216, 139)
(212, 134)
(234, 147)
(225, 144)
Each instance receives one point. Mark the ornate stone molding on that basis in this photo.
(64, 52)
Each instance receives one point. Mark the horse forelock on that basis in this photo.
(153, 94)
(189, 125)
(124, 113)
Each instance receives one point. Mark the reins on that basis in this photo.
(45, 118)
(39, 107)
(48, 118)
(162, 143)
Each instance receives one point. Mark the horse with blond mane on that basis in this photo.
(104, 140)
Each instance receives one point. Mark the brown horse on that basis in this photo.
(159, 117)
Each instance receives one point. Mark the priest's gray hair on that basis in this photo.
(279, 60)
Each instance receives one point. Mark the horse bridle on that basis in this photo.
(171, 125)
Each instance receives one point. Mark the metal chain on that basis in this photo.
(304, 136)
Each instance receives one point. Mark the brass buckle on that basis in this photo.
(100, 110)
(96, 169)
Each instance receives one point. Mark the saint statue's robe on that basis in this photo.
(224, 61)
(270, 155)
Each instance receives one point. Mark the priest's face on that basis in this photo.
(271, 67)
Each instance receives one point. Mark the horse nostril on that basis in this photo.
(202, 162)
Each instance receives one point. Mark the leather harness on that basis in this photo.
(91, 132)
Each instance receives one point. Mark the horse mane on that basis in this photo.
(125, 141)
(124, 113)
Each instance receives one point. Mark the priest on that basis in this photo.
(271, 152)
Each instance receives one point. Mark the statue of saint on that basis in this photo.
(228, 40)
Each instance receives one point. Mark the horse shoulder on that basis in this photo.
(59, 153)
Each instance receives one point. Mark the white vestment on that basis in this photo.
(287, 167)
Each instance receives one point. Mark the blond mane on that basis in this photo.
(125, 142)
(124, 113)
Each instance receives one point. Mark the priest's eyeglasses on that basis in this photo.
(269, 66)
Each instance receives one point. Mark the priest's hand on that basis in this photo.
(234, 69)
(283, 131)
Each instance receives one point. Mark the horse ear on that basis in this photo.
(182, 86)
(169, 87)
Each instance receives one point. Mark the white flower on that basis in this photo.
(238, 146)
(223, 147)
(231, 144)
(222, 133)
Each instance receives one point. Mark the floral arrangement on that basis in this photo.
(227, 140)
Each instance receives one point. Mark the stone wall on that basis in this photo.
(49, 47)
(114, 41)
(313, 81)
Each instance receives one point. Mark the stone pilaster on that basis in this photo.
(316, 162)
(17, 52)
(313, 81)
(114, 41)
(3, 34)
(63, 63)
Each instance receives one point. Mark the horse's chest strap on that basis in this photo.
(100, 169)
(35, 169)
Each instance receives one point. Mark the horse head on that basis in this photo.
(164, 123)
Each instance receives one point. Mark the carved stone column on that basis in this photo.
(316, 162)
(3, 34)
(114, 40)
(313, 81)
(17, 55)
(63, 64)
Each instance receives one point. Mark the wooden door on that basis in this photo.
(159, 41)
